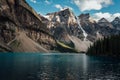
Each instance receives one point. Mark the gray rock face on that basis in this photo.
(104, 23)
(63, 23)
(116, 23)
(88, 26)
(16, 16)
(106, 28)
(100, 29)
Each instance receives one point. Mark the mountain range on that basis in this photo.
(80, 30)
(23, 30)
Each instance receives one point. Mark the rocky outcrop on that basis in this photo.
(105, 28)
(89, 26)
(63, 23)
(16, 16)
(116, 23)
(100, 29)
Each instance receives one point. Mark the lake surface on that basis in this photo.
(23, 66)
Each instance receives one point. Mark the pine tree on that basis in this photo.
(106, 46)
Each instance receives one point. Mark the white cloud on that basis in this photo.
(116, 15)
(92, 4)
(58, 6)
(47, 2)
(68, 7)
(34, 1)
(108, 16)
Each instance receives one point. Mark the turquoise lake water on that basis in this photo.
(57, 66)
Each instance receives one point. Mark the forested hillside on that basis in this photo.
(106, 46)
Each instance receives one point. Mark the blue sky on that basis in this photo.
(97, 8)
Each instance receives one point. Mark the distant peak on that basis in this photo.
(84, 17)
(84, 14)
(65, 10)
(103, 20)
(87, 15)
(117, 18)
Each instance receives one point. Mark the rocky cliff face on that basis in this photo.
(116, 23)
(63, 23)
(19, 23)
(89, 26)
(105, 28)
(16, 16)
(100, 29)
(65, 26)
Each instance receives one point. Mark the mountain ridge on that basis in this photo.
(17, 16)
(95, 30)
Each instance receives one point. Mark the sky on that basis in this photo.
(98, 9)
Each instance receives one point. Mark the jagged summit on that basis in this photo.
(116, 23)
(116, 20)
(66, 10)
(84, 16)
(17, 16)
(61, 16)
(103, 20)
(64, 23)
(105, 23)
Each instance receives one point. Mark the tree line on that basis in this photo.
(106, 46)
